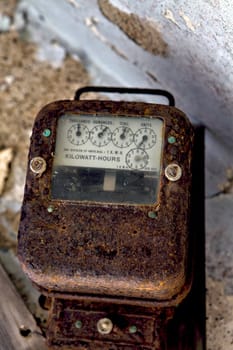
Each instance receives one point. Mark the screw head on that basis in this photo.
(171, 139)
(46, 132)
(50, 209)
(38, 165)
(132, 329)
(104, 326)
(152, 214)
(78, 324)
(173, 172)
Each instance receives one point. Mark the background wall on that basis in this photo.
(183, 46)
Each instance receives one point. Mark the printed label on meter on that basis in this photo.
(112, 150)
(107, 142)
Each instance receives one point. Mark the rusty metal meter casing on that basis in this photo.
(106, 210)
(120, 249)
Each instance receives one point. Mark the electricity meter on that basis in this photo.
(105, 220)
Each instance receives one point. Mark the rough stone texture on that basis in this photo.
(219, 270)
(219, 243)
(142, 32)
(219, 317)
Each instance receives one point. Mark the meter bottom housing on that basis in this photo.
(73, 324)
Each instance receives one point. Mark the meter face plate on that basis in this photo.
(111, 159)
(108, 226)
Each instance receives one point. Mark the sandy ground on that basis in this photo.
(25, 86)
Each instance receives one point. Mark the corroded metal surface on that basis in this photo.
(97, 248)
(75, 324)
(131, 262)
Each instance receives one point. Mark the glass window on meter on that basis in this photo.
(113, 159)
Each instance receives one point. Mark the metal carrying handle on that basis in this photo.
(122, 90)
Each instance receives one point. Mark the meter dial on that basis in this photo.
(78, 134)
(100, 135)
(122, 137)
(145, 138)
(137, 158)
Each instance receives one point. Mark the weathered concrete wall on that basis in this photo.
(185, 47)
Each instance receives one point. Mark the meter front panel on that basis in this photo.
(112, 159)
(107, 200)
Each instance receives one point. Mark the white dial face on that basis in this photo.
(122, 137)
(137, 159)
(100, 135)
(109, 142)
(78, 134)
(145, 138)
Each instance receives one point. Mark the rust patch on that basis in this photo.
(142, 32)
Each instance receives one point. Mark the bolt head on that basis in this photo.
(38, 165)
(132, 329)
(173, 172)
(152, 214)
(50, 209)
(104, 326)
(46, 132)
(171, 139)
(78, 324)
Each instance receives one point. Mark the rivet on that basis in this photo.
(78, 324)
(46, 132)
(38, 165)
(171, 139)
(104, 326)
(173, 172)
(132, 329)
(152, 214)
(50, 209)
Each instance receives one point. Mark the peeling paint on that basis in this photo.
(142, 32)
(227, 187)
(169, 15)
(92, 23)
(73, 3)
(187, 21)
